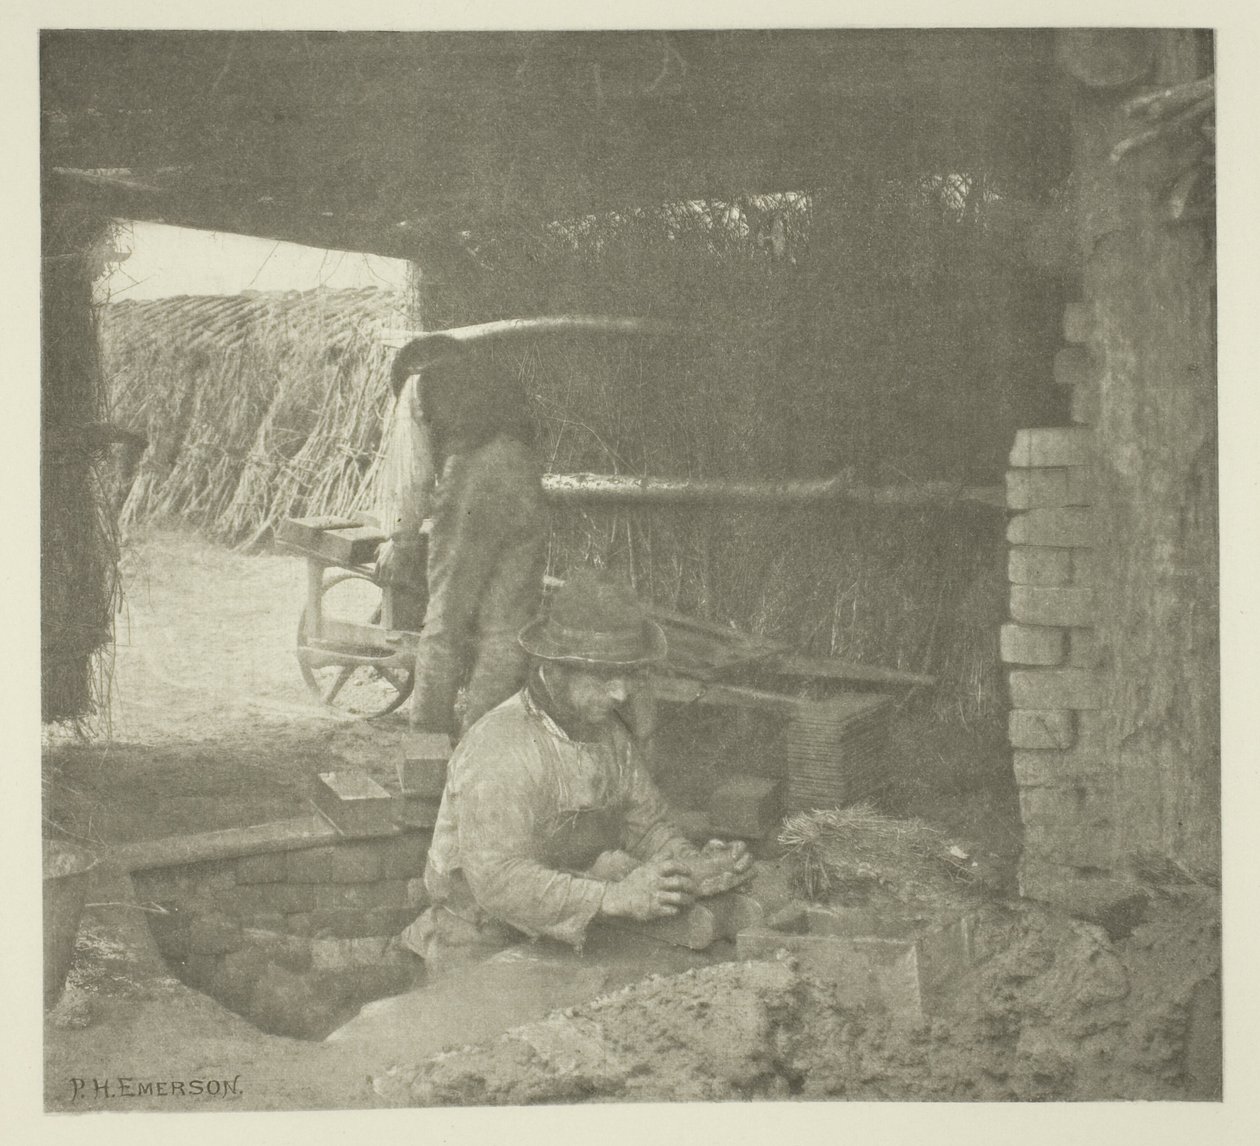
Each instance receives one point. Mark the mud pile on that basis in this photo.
(1056, 1010)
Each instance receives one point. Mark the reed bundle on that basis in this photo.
(835, 850)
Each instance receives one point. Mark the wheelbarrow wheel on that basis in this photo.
(363, 691)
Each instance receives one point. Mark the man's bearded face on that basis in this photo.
(591, 695)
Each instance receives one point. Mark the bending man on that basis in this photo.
(549, 819)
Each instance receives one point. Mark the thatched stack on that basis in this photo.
(256, 406)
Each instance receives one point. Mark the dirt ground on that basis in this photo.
(211, 726)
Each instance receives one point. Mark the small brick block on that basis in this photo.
(1075, 805)
(213, 876)
(335, 863)
(256, 898)
(1039, 565)
(214, 934)
(902, 974)
(289, 951)
(404, 856)
(390, 920)
(1041, 605)
(1082, 845)
(265, 921)
(1034, 489)
(1051, 769)
(1078, 322)
(1055, 688)
(354, 803)
(1085, 564)
(341, 954)
(261, 869)
(340, 923)
(696, 927)
(367, 950)
(1086, 404)
(1053, 446)
(1081, 485)
(1063, 526)
(426, 746)
(422, 770)
(747, 807)
(1091, 732)
(417, 813)
(417, 894)
(752, 905)
(1084, 648)
(1074, 366)
(361, 896)
(171, 939)
(164, 885)
(1049, 488)
(330, 954)
(1069, 886)
(1041, 728)
(1031, 644)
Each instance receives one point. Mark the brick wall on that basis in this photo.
(292, 939)
(1051, 645)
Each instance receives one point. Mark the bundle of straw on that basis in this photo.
(837, 848)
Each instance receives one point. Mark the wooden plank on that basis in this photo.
(683, 691)
(307, 532)
(831, 668)
(277, 836)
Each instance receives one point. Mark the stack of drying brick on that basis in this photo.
(1051, 644)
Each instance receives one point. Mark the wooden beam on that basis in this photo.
(626, 489)
(230, 843)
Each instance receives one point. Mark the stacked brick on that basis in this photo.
(292, 938)
(1051, 645)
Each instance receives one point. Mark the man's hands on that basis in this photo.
(654, 890)
(662, 887)
(719, 866)
(735, 852)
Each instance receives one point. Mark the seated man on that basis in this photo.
(546, 789)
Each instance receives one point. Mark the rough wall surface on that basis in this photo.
(1150, 284)
(1114, 545)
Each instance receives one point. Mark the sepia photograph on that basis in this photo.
(665, 565)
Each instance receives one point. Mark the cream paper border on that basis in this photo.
(21, 1084)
